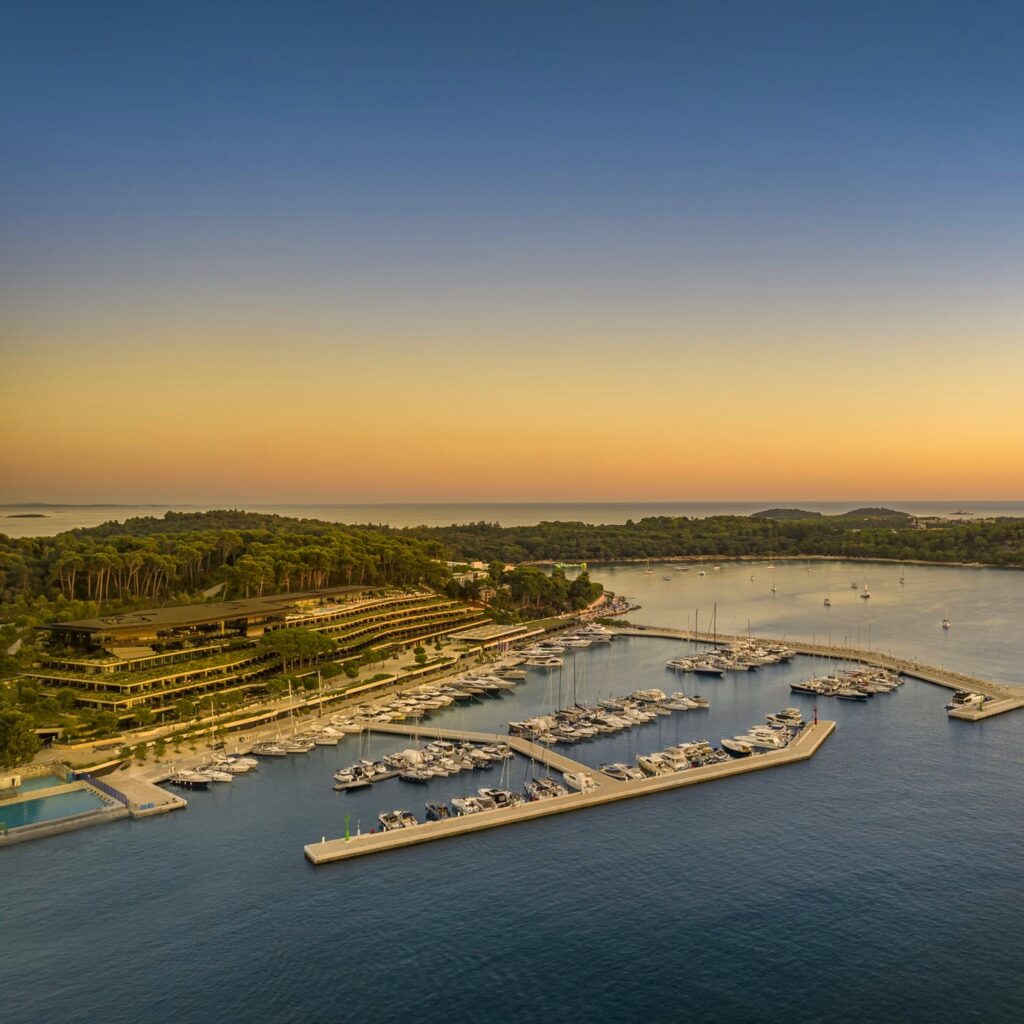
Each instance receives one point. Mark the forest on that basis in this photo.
(998, 542)
(184, 556)
(187, 557)
(156, 560)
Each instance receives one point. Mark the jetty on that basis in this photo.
(803, 747)
(1000, 697)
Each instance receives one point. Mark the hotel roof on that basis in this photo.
(185, 615)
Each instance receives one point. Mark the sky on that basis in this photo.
(405, 251)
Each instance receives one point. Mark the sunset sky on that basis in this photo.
(319, 251)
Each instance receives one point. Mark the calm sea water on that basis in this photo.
(878, 882)
(67, 517)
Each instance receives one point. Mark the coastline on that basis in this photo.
(713, 560)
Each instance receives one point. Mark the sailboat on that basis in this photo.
(902, 580)
(296, 744)
(828, 601)
(648, 571)
(865, 593)
(945, 620)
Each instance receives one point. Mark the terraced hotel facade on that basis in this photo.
(154, 658)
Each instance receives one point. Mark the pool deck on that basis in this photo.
(805, 746)
(145, 798)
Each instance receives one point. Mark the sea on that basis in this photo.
(27, 520)
(878, 882)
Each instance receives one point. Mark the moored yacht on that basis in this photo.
(734, 748)
(438, 812)
(189, 779)
(582, 781)
(390, 821)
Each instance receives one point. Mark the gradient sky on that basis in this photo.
(315, 251)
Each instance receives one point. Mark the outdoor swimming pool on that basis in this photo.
(48, 808)
(41, 782)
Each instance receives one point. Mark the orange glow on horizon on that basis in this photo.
(561, 417)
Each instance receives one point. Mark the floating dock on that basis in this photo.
(804, 746)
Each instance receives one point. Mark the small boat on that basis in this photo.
(473, 804)
(298, 746)
(810, 686)
(651, 696)
(544, 789)
(703, 668)
(946, 623)
(582, 781)
(501, 797)
(390, 821)
(270, 750)
(438, 812)
(828, 602)
(849, 693)
(734, 748)
(190, 780)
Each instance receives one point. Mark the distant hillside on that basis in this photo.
(786, 513)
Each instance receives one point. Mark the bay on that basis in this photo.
(877, 882)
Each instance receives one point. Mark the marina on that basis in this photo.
(1003, 697)
(608, 791)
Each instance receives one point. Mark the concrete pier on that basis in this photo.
(145, 798)
(522, 746)
(803, 747)
(1005, 698)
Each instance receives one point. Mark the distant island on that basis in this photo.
(876, 513)
(27, 515)
(857, 513)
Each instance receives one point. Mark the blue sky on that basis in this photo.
(821, 178)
